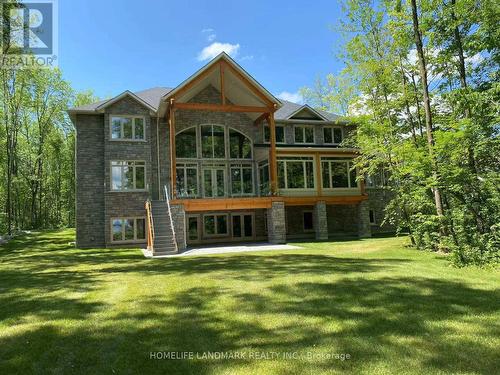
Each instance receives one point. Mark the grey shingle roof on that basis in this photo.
(153, 95)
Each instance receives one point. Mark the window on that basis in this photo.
(185, 144)
(215, 225)
(332, 135)
(128, 229)
(240, 146)
(372, 217)
(187, 180)
(264, 178)
(241, 179)
(127, 128)
(296, 173)
(212, 142)
(304, 134)
(308, 221)
(128, 175)
(280, 134)
(337, 173)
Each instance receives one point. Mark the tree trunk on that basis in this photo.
(427, 107)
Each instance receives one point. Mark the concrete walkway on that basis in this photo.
(240, 248)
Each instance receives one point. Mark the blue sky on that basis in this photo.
(111, 46)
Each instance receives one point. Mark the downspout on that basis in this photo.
(158, 151)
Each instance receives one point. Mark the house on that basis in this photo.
(216, 159)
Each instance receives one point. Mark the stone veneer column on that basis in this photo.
(179, 219)
(364, 228)
(320, 221)
(276, 229)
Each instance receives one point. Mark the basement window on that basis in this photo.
(215, 225)
(372, 217)
(308, 221)
(128, 229)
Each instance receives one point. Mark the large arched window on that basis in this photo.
(212, 142)
(240, 146)
(185, 144)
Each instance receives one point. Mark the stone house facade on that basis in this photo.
(220, 159)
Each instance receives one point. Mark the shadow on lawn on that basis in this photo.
(370, 318)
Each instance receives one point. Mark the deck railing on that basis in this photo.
(167, 198)
(151, 228)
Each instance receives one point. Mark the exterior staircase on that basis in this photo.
(161, 236)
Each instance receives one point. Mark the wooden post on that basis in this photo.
(273, 165)
(173, 171)
(317, 161)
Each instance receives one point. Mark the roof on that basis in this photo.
(289, 109)
(151, 97)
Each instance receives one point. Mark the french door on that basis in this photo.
(242, 226)
(214, 182)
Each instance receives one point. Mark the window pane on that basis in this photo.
(310, 175)
(180, 182)
(117, 230)
(218, 141)
(220, 182)
(128, 177)
(193, 228)
(192, 182)
(264, 179)
(240, 146)
(129, 229)
(309, 131)
(299, 134)
(116, 128)
(206, 141)
(237, 226)
(337, 135)
(327, 134)
(209, 224)
(116, 178)
(281, 175)
(352, 176)
(139, 128)
(266, 134)
(308, 221)
(127, 128)
(221, 224)
(339, 175)
(236, 181)
(325, 173)
(247, 181)
(207, 182)
(141, 229)
(295, 175)
(140, 182)
(280, 134)
(247, 223)
(185, 144)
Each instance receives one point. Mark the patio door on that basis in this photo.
(242, 226)
(214, 182)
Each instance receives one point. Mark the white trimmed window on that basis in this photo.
(241, 179)
(215, 225)
(129, 128)
(187, 180)
(280, 134)
(303, 133)
(332, 135)
(128, 175)
(296, 172)
(128, 229)
(337, 173)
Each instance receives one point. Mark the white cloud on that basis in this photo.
(210, 33)
(209, 52)
(294, 97)
(247, 57)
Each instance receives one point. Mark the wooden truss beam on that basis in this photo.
(220, 108)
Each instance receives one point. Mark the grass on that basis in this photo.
(102, 311)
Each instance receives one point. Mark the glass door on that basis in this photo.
(242, 226)
(214, 182)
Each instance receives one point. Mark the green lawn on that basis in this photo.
(392, 309)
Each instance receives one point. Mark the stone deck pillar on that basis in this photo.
(364, 228)
(179, 219)
(320, 221)
(276, 228)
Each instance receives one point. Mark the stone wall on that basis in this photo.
(89, 181)
(342, 220)
(295, 222)
(378, 199)
(276, 227)
(364, 230)
(179, 219)
(320, 219)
